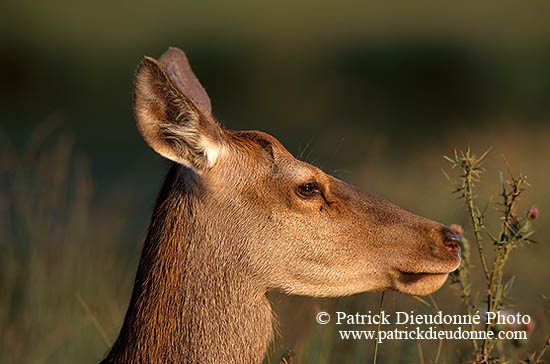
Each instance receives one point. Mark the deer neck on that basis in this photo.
(191, 303)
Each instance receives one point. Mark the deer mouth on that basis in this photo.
(425, 277)
(414, 276)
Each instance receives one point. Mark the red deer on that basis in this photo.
(238, 216)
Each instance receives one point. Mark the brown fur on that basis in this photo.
(232, 223)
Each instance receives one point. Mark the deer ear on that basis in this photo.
(171, 122)
(177, 67)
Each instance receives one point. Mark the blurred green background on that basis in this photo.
(373, 92)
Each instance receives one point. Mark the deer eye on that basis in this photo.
(308, 190)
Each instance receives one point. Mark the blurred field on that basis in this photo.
(374, 93)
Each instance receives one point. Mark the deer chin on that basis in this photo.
(418, 284)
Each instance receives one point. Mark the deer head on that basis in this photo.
(297, 228)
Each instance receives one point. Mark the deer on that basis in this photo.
(239, 216)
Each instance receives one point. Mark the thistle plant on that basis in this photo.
(515, 229)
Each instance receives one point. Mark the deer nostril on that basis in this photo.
(452, 245)
(452, 242)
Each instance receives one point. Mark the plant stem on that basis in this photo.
(469, 196)
(378, 329)
(94, 320)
